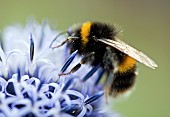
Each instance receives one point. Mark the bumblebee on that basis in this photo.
(98, 43)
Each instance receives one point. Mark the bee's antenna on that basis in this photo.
(57, 37)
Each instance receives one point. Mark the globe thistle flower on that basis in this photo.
(29, 81)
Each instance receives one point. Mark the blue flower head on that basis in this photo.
(29, 81)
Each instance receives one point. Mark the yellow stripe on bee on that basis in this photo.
(127, 63)
(85, 32)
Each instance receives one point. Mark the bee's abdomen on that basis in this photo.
(124, 78)
(123, 82)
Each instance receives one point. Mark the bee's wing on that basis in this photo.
(132, 52)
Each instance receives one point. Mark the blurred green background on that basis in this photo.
(145, 24)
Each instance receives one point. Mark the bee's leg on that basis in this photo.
(108, 82)
(84, 60)
(106, 87)
(66, 40)
(57, 37)
(109, 66)
(108, 59)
